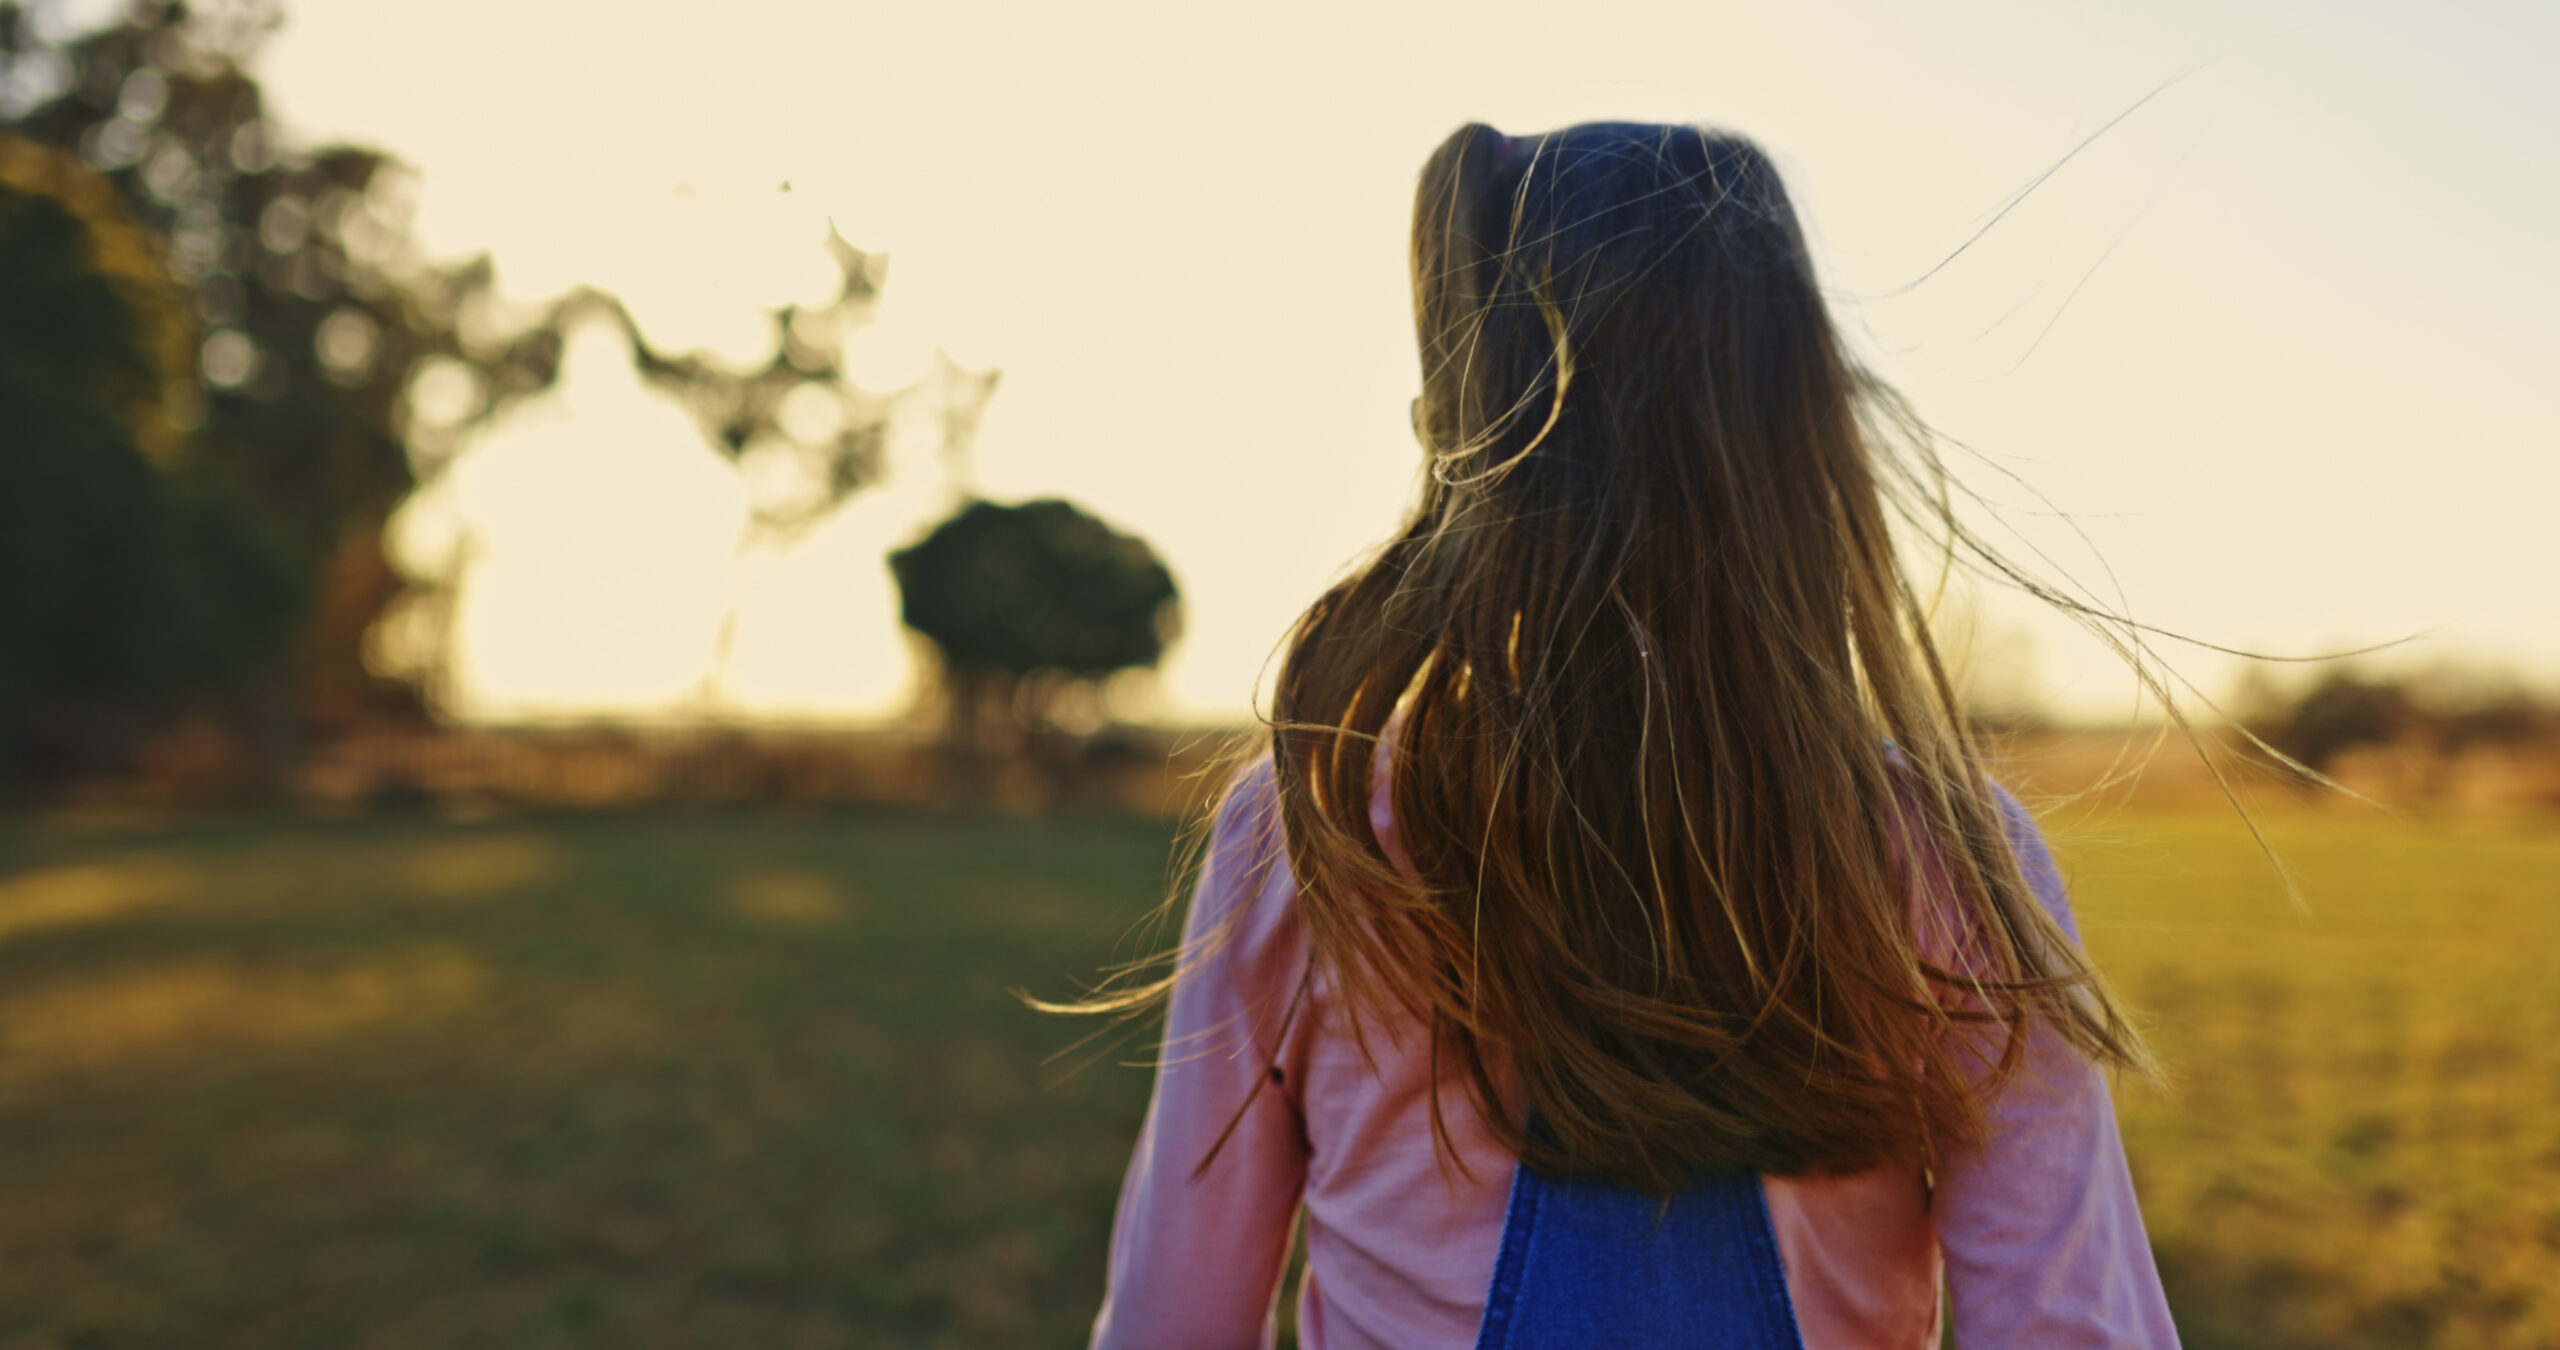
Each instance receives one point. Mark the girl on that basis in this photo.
(1622, 943)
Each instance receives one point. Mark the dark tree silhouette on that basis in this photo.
(2442, 711)
(298, 332)
(128, 574)
(2342, 711)
(1022, 602)
(293, 385)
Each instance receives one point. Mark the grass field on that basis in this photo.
(704, 1079)
(2362, 1143)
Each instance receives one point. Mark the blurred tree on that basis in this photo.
(2461, 706)
(2434, 712)
(314, 366)
(2341, 711)
(2509, 718)
(127, 574)
(291, 397)
(1024, 602)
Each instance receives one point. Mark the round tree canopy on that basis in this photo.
(1037, 586)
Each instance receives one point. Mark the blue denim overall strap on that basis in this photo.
(1590, 1266)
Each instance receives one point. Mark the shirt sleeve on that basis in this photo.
(2043, 1240)
(1198, 1244)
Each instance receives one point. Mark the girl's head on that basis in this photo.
(1668, 730)
(1617, 307)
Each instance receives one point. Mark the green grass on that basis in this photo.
(697, 1080)
(706, 1079)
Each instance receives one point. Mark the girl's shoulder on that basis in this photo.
(1243, 925)
(2035, 858)
(1247, 834)
(1933, 898)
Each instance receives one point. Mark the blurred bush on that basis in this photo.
(2449, 736)
(2447, 711)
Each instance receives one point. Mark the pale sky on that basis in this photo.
(2280, 341)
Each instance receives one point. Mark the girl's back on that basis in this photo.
(2036, 1231)
(1622, 845)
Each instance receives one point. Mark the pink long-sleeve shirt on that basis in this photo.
(2034, 1235)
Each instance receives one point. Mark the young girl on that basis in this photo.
(1622, 944)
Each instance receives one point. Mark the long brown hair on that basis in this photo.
(1670, 743)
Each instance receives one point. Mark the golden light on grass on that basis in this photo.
(209, 1004)
(2358, 1142)
(1034, 905)
(83, 893)
(482, 868)
(778, 897)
